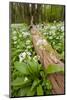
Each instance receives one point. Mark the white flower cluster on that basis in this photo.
(53, 28)
(28, 47)
(62, 28)
(15, 42)
(35, 58)
(25, 79)
(23, 55)
(25, 34)
(28, 42)
(45, 33)
(20, 35)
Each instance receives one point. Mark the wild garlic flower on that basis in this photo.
(53, 28)
(28, 47)
(20, 35)
(28, 42)
(15, 42)
(35, 58)
(25, 34)
(62, 28)
(45, 33)
(28, 53)
(22, 56)
(25, 79)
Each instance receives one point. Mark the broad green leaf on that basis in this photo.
(21, 82)
(21, 67)
(39, 90)
(34, 66)
(18, 81)
(23, 91)
(52, 68)
(30, 93)
(35, 83)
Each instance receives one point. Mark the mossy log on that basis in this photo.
(48, 56)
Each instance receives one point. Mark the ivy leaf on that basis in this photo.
(52, 68)
(39, 90)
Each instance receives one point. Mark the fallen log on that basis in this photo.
(48, 56)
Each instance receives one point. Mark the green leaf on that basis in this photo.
(52, 68)
(34, 66)
(35, 83)
(39, 90)
(17, 82)
(21, 82)
(23, 91)
(21, 67)
(30, 93)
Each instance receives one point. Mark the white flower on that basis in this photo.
(53, 43)
(21, 59)
(25, 34)
(28, 47)
(22, 56)
(45, 33)
(53, 28)
(28, 42)
(25, 79)
(45, 27)
(35, 58)
(54, 21)
(57, 37)
(20, 35)
(15, 42)
(62, 28)
(28, 53)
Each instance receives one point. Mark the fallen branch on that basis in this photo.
(48, 56)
